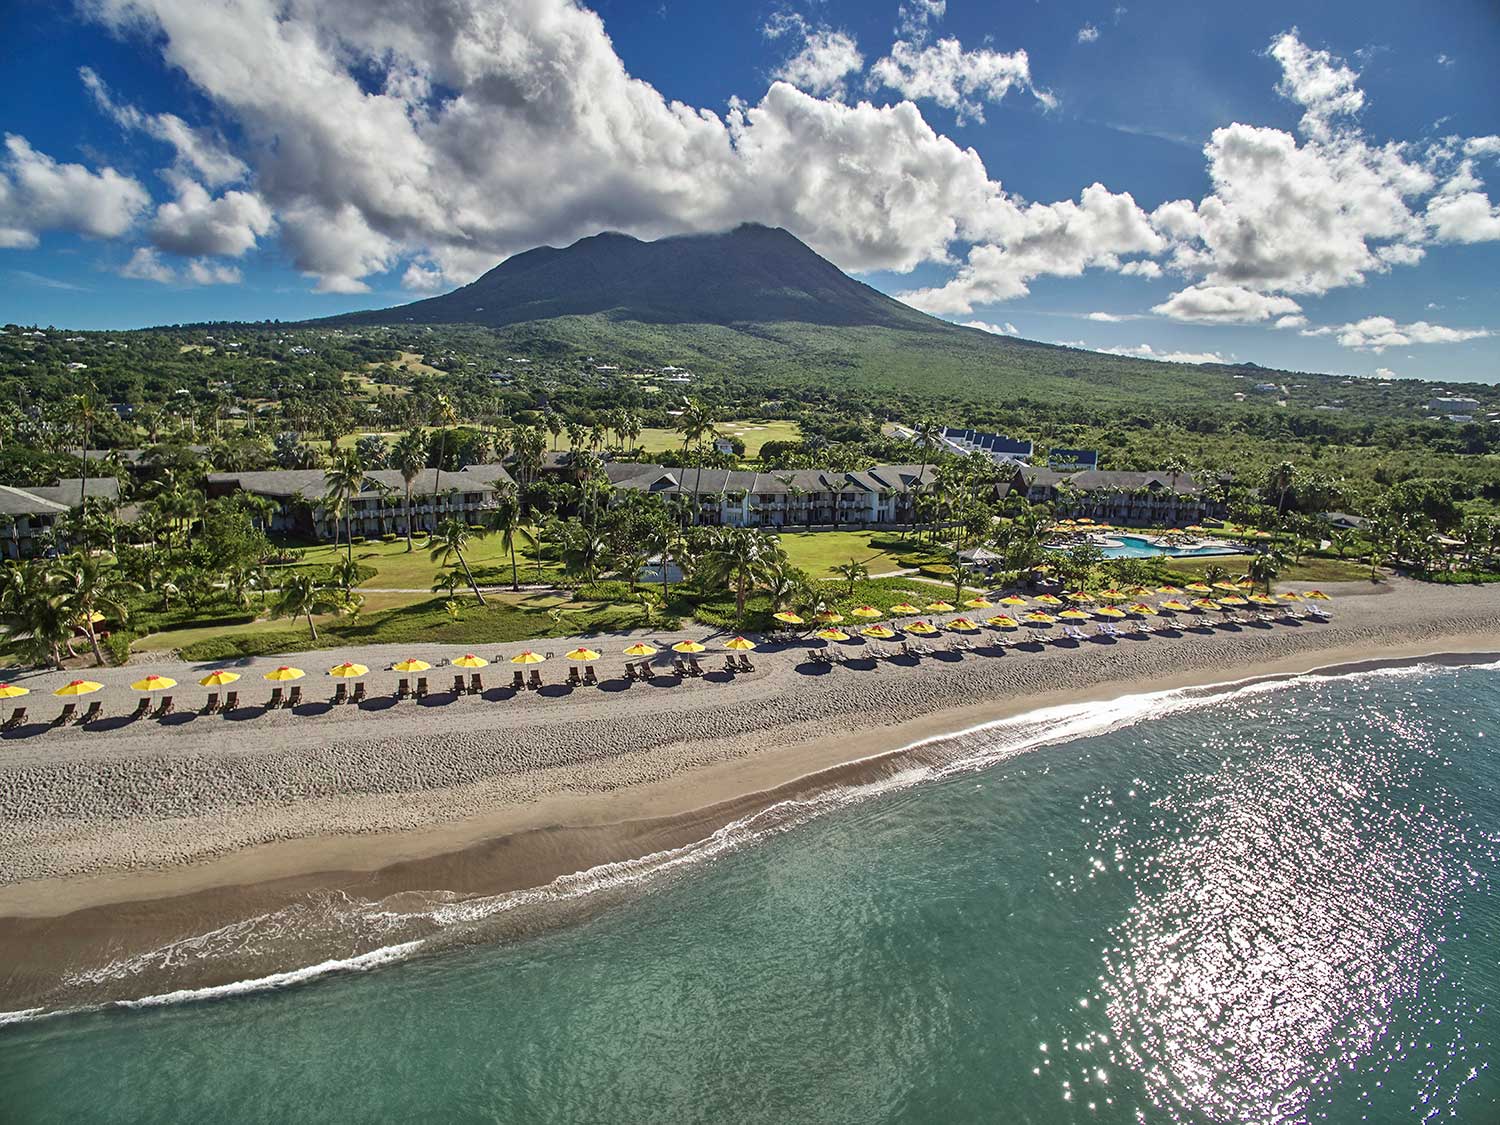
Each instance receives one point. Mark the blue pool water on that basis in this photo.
(1138, 547)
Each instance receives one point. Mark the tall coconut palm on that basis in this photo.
(30, 612)
(739, 557)
(507, 517)
(344, 480)
(87, 587)
(304, 594)
(409, 456)
(851, 572)
(1280, 481)
(445, 416)
(448, 544)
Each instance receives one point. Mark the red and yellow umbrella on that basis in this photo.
(922, 628)
(154, 682)
(640, 648)
(78, 687)
(789, 618)
(831, 634)
(529, 657)
(469, 660)
(878, 632)
(866, 611)
(689, 646)
(1004, 621)
(1040, 618)
(1049, 599)
(939, 607)
(962, 624)
(905, 608)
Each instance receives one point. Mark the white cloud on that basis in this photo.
(1465, 217)
(1006, 329)
(1482, 146)
(1107, 318)
(38, 194)
(1385, 373)
(1224, 304)
(146, 265)
(1296, 320)
(825, 61)
(1088, 33)
(1142, 267)
(196, 149)
(954, 78)
(1146, 351)
(196, 223)
(1445, 60)
(201, 271)
(913, 16)
(1316, 80)
(1376, 333)
(424, 279)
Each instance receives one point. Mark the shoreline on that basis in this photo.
(53, 926)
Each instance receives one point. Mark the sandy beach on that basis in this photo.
(117, 841)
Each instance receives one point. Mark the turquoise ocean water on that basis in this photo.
(1277, 905)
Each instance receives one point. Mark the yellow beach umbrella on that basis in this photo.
(1004, 621)
(469, 660)
(789, 617)
(1113, 596)
(831, 635)
(285, 672)
(1049, 599)
(1244, 583)
(1013, 600)
(89, 618)
(689, 646)
(412, 664)
(1316, 595)
(154, 682)
(1205, 603)
(1200, 588)
(219, 678)
(528, 657)
(962, 624)
(1074, 615)
(1040, 618)
(866, 611)
(348, 670)
(828, 617)
(939, 607)
(1168, 589)
(905, 608)
(1175, 606)
(979, 603)
(922, 628)
(13, 691)
(1232, 599)
(1111, 611)
(1140, 591)
(1079, 596)
(640, 648)
(1262, 599)
(79, 687)
(1232, 587)
(878, 632)
(1044, 568)
(1290, 595)
(1142, 609)
(580, 654)
(739, 644)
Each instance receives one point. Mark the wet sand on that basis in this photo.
(118, 842)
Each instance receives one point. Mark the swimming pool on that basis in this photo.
(1138, 547)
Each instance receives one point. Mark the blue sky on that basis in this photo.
(1304, 187)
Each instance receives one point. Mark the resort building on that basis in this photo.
(27, 513)
(880, 496)
(1072, 460)
(380, 506)
(997, 447)
(1139, 499)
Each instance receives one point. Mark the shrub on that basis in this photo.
(389, 537)
(937, 570)
(358, 541)
(117, 644)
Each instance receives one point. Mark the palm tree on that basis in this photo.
(344, 480)
(851, 572)
(410, 457)
(443, 413)
(85, 417)
(1280, 481)
(1265, 566)
(739, 557)
(507, 517)
(86, 587)
(30, 612)
(303, 594)
(448, 544)
(694, 423)
(584, 551)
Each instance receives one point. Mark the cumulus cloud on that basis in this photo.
(1320, 83)
(196, 149)
(913, 17)
(1376, 333)
(1006, 329)
(1146, 351)
(956, 79)
(1294, 321)
(146, 265)
(38, 194)
(826, 60)
(1088, 33)
(1224, 304)
(1107, 318)
(1482, 146)
(196, 223)
(201, 271)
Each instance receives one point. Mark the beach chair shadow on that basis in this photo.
(554, 691)
(26, 730)
(1065, 642)
(380, 703)
(436, 699)
(861, 663)
(178, 718)
(242, 713)
(989, 650)
(307, 710)
(717, 677)
(113, 722)
(948, 655)
(1102, 639)
(499, 694)
(617, 684)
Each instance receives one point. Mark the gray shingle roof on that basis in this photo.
(20, 502)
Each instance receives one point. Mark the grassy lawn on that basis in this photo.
(817, 552)
(1311, 569)
(395, 568)
(754, 434)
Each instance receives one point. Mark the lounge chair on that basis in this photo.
(573, 678)
(458, 685)
(694, 667)
(69, 710)
(476, 684)
(518, 680)
(17, 717)
(589, 676)
(275, 701)
(95, 711)
(142, 708)
(745, 665)
(293, 698)
(630, 672)
(359, 693)
(647, 672)
(403, 688)
(231, 702)
(166, 707)
(679, 667)
(212, 706)
(730, 666)
(340, 693)
(421, 692)
(534, 683)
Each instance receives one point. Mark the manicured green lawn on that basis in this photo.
(818, 552)
(396, 568)
(755, 434)
(1311, 569)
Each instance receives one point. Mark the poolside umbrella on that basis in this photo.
(962, 624)
(828, 617)
(219, 678)
(578, 654)
(1142, 609)
(939, 607)
(348, 670)
(1074, 614)
(1200, 588)
(1290, 595)
(1111, 611)
(285, 673)
(831, 635)
(1040, 618)
(469, 660)
(1262, 599)
(1085, 519)
(905, 608)
(1004, 621)
(979, 603)
(1013, 600)
(922, 628)
(1232, 599)
(13, 691)
(527, 657)
(1113, 595)
(411, 664)
(689, 647)
(640, 648)
(79, 687)
(1168, 589)
(1049, 599)
(1205, 603)
(1315, 595)
(1175, 606)
(1231, 587)
(154, 682)
(789, 617)
(878, 632)
(866, 611)
(739, 644)
(1079, 596)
